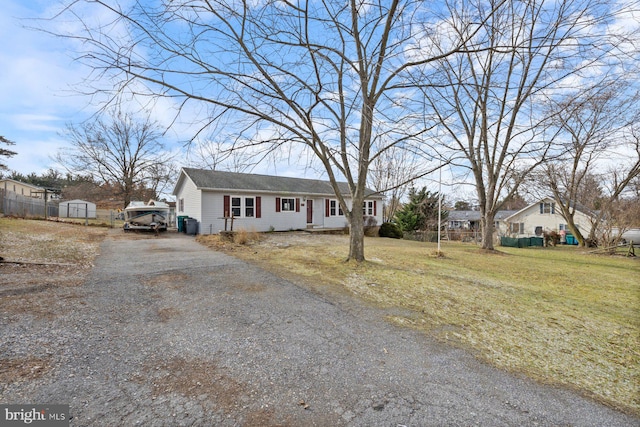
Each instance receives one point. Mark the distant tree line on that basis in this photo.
(83, 187)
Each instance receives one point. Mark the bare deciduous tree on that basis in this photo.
(594, 123)
(488, 100)
(389, 174)
(119, 150)
(332, 76)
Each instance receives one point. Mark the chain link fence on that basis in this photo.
(12, 204)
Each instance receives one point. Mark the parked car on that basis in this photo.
(630, 235)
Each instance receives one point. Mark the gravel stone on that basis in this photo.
(165, 332)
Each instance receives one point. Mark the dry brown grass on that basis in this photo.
(48, 242)
(50, 255)
(245, 237)
(557, 314)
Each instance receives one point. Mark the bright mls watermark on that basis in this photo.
(34, 415)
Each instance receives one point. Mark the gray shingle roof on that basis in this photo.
(475, 215)
(221, 180)
(463, 216)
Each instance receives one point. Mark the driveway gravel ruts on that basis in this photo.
(166, 332)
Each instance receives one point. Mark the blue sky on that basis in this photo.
(36, 76)
(39, 80)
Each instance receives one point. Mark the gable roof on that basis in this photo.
(578, 207)
(234, 181)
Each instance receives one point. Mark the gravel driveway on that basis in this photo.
(168, 332)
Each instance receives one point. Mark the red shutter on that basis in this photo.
(375, 208)
(297, 204)
(277, 204)
(326, 209)
(227, 203)
(258, 207)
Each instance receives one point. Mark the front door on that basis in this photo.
(309, 211)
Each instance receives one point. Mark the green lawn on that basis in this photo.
(560, 315)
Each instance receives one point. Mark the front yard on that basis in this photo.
(556, 314)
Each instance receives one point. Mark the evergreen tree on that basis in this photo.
(421, 212)
(5, 152)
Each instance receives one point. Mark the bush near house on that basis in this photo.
(389, 229)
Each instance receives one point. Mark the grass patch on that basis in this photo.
(46, 241)
(556, 314)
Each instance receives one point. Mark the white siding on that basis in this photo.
(283, 221)
(192, 200)
(532, 218)
(212, 217)
(213, 214)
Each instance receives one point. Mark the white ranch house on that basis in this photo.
(262, 202)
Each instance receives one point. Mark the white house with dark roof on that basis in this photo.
(262, 202)
(543, 216)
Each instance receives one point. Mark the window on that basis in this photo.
(367, 208)
(564, 227)
(547, 208)
(243, 207)
(516, 227)
(181, 205)
(335, 209)
(248, 206)
(288, 205)
(236, 206)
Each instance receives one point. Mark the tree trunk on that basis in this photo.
(356, 235)
(487, 222)
(568, 214)
(576, 232)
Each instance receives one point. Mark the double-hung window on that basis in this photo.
(547, 208)
(243, 207)
(334, 208)
(249, 207)
(367, 208)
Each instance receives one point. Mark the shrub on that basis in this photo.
(370, 224)
(389, 229)
(551, 238)
(244, 237)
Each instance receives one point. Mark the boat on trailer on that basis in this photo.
(152, 216)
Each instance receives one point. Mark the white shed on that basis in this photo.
(77, 209)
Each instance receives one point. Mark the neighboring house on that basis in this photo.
(543, 216)
(77, 209)
(501, 225)
(262, 202)
(470, 220)
(22, 188)
(463, 220)
(28, 190)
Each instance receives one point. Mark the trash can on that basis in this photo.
(191, 226)
(181, 218)
(537, 241)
